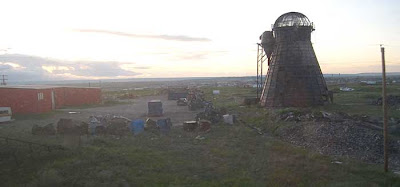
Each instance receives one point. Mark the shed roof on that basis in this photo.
(40, 87)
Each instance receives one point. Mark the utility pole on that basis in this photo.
(385, 115)
(261, 71)
(258, 54)
(3, 80)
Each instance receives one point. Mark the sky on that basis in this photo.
(83, 39)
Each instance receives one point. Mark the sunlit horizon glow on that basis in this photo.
(153, 39)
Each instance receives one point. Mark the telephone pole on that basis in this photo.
(3, 80)
(385, 113)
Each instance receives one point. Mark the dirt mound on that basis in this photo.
(339, 134)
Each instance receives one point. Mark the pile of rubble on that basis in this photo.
(392, 101)
(210, 113)
(339, 134)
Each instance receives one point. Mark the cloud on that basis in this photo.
(21, 67)
(142, 67)
(181, 38)
(199, 55)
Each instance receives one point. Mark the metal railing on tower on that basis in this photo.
(261, 57)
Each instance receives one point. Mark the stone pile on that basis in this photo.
(339, 134)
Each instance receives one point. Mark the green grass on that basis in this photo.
(360, 100)
(228, 156)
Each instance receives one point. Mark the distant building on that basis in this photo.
(44, 98)
(369, 82)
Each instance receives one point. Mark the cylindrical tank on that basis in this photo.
(268, 42)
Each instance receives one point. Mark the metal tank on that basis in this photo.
(294, 77)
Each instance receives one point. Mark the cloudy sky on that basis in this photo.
(68, 39)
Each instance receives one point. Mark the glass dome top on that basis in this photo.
(292, 19)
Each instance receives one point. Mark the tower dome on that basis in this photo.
(292, 19)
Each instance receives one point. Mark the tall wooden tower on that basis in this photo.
(294, 78)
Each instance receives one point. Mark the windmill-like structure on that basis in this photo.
(294, 78)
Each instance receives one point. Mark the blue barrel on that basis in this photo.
(164, 125)
(137, 126)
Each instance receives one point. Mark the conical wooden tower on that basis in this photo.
(294, 77)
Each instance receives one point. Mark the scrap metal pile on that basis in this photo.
(103, 125)
(195, 99)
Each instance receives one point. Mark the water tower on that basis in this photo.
(294, 78)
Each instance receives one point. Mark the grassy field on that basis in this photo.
(360, 100)
(229, 155)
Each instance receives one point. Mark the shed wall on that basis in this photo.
(24, 101)
(76, 96)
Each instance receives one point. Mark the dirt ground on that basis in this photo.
(134, 109)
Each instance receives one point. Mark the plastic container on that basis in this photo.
(164, 125)
(228, 119)
(137, 126)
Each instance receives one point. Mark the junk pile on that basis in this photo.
(122, 126)
(104, 125)
(338, 134)
(392, 101)
(195, 100)
(209, 116)
(210, 113)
